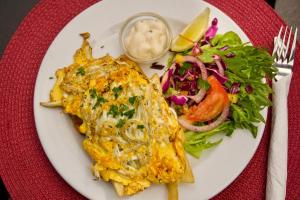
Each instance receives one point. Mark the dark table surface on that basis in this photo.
(11, 14)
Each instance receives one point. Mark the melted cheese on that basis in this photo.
(130, 133)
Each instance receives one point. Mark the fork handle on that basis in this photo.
(277, 162)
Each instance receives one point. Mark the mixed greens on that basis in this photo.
(241, 70)
(246, 70)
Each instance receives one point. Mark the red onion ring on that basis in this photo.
(219, 64)
(193, 59)
(172, 82)
(183, 122)
(196, 49)
(199, 96)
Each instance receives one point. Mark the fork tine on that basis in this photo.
(288, 44)
(282, 49)
(276, 41)
(291, 59)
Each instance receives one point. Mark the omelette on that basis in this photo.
(130, 133)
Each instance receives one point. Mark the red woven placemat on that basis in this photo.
(24, 167)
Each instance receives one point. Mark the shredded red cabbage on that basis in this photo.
(179, 99)
(223, 48)
(212, 30)
(190, 86)
(235, 88)
(221, 78)
(165, 82)
(188, 75)
(230, 55)
(249, 89)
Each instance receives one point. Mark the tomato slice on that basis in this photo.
(215, 101)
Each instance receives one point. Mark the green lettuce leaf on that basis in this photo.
(195, 142)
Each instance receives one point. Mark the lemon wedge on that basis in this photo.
(192, 32)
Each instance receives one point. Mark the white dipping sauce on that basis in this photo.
(146, 39)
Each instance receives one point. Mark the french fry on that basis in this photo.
(51, 104)
(119, 188)
(172, 191)
(188, 176)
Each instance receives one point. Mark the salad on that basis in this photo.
(216, 84)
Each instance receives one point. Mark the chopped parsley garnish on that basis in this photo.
(123, 108)
(140, 126)
(51, 77)
(185, 66)
(117, 91)
(113, 110)
(203, 84)
(121, 123)
(129, 113)
(93, 93)
(132, 100)
(100, 101)
(80, 71)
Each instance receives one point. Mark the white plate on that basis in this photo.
(216, 169)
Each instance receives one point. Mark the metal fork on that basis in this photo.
(283, 52)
